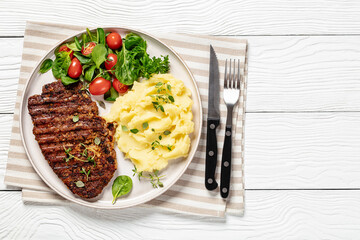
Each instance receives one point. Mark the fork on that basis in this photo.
(231, 97)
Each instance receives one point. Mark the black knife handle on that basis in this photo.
(211, 154)
(226, 164)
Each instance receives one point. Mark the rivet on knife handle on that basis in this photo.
(226, 164)
(211, 154)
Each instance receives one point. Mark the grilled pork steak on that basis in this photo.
(77, 143)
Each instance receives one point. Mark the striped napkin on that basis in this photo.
(188, 195)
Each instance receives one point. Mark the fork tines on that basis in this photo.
(232, 80)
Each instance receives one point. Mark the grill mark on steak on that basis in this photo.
(52, 115)
(62, 109)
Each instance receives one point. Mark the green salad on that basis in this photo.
(105, 63)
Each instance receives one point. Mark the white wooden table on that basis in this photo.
(302, 133)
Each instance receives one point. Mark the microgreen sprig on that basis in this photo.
(87, 173)
(154, 178)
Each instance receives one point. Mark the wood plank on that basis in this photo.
(302, 150)
(304, 74)
(274, 214)
(294, 73)
(285, 150)
(228, 17)
(10, 61)
(5, 131)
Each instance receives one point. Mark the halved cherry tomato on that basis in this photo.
(64, 48)
(111, 61)
(88, 48)
(75, 68)
(119, 87)
(99, 86)
(114, 40)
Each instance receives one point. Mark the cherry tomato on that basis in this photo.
(111, 61)
(75, 68)
(114, 40)
(119, 87)
(64, 48)
(88, 48)
(99, 86)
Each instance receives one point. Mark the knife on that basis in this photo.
(213, 121)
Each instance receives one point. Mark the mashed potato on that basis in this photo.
(155, 121)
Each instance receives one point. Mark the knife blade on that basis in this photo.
(213, 121)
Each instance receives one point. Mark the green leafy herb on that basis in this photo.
(89, 35)
(158, 106)
(145, 125)
(87, 173)
(98, 54)
(168, 87)
(156, 144)
(111, 95)
(80, 184)
(61, 64)
(134, 62)
(100, 36)
(68, 80)
(153, 130)
(154, 177)
(85, 154)
(97, 141)
(171, 98)
(134, 131)
(135, 171)
(84, 40)
(68, 154)
(122, 185)
(75, 118)
(159, 84)
(82, 58)
(90, 73)
(46, 66)
(124, 128)
(73, 47)
(77, 43)
(167, 132)
(169, 147)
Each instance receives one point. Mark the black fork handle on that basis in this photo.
(226, 156)
(226, 164)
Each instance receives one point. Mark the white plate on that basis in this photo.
(142, 190)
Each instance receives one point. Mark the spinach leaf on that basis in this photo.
(121, 186)
(77, 43)
(132, 40)
(82, 58)
(126, 69)
(73, 47)
(46, 66)
(111, 95)
(68, 80)
(100, 36)
(61, 64)
(98, 54)
(90, 73)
